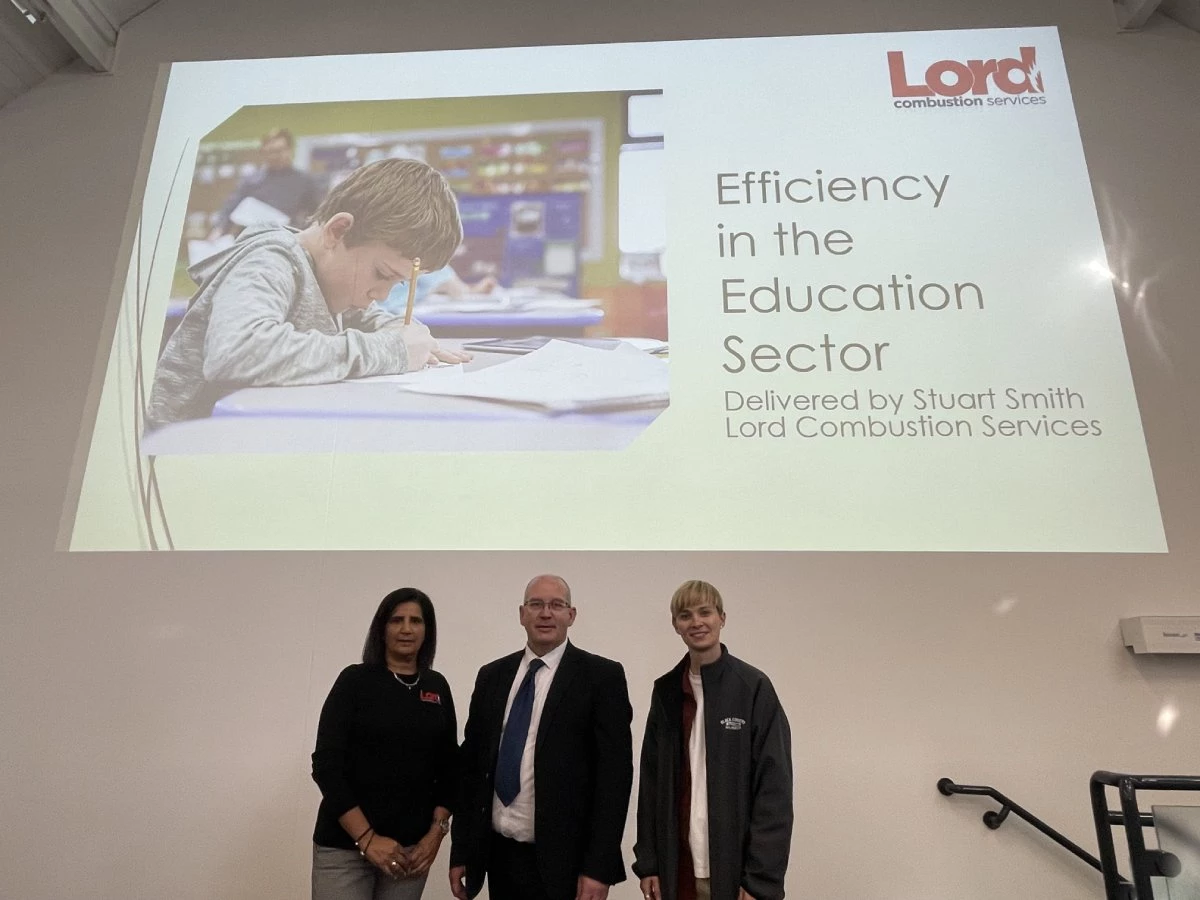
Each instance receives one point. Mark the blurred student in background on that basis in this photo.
(289, 307)
(443, 281)
(277, 183)
(386, 761)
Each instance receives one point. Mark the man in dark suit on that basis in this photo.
(547, 766)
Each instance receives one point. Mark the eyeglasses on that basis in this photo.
(554, 605)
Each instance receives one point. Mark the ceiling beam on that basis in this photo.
(86, 28)
(1185, 12)
(1132, 14)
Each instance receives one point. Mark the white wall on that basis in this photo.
(157, 711)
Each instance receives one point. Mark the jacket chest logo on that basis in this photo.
(733, 723)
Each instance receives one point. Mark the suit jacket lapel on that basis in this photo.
(568, 668)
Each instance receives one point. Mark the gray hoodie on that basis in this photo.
(259, 318)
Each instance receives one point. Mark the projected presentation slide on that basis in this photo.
(891, 321)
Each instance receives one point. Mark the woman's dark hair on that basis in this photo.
(374, 653)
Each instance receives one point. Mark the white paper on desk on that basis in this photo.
(503, 302)
(565, 377)
(646, 345)
(252, 211)
(431, 374)
(558, 303)
(475, 304)
(201, 250)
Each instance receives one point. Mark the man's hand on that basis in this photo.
(743, 894)
(590, 889)
(651, 889)
(457, 886)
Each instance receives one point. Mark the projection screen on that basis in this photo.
(809, 293)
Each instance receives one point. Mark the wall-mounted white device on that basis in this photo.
(1162, 634)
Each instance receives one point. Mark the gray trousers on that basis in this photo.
(344, 875)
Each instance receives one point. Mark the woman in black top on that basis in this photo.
(385, 761)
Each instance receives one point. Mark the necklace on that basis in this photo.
(415, 681)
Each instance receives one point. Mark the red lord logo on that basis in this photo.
(952, 78)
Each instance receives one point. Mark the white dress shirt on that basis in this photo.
(515, 821)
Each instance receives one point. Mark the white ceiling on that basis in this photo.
(72, 29)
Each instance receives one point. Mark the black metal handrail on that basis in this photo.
(995, 818)
(1144, 862)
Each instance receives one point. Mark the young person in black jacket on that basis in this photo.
(714, 818)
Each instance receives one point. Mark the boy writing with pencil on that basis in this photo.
(290, 307)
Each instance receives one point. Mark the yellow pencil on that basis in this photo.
(412, 289)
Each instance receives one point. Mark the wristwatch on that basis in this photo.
(443, 824)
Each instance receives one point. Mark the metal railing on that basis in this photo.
(1145, 862)
(994, 818)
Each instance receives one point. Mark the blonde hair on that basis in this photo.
(403, 203)
(696, 593)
